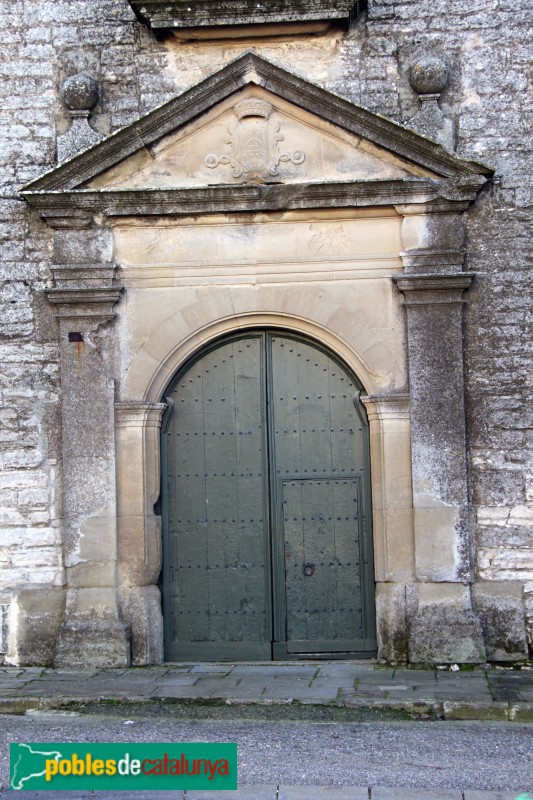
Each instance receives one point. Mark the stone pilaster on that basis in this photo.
(433, 243)
(92, 632)
(138, 426)
(445, 628)
(392, 514)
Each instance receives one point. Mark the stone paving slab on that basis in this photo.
(246, 694)
(325, 792)
(136, 795)
(474, 795)
(390, 793)
(276, 670)
(243, 793)
(212, 669)
(273, 792)
(296, 692)
(212, 684)
(179, 679)
(177, 691)
(46, 795)
(497, 694)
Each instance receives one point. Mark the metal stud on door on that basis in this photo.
(267, 514)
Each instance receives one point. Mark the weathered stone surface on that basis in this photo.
(500, 607)
(88, 639)
(395, 604)
(198, 13)
(80, 93)
(429, 75)
(37, 617)
(487, 101)
(441, 634)
(142, 610)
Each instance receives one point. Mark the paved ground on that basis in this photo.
(498, 694)
(274, 792)
(418, 758)
(332, 691)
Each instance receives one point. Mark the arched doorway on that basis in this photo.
(267, 538)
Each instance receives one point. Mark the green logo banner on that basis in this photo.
(63, 766)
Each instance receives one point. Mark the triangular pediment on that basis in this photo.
(253, 123)
(255, 136)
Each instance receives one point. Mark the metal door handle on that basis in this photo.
(308, 570)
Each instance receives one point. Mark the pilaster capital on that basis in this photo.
(433, 289)
(390, 406)
(61, 219)
(432, 242)
(438, 261)
(84, 276)
(95, 303)
(139, 414)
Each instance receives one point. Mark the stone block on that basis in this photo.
(445, 595)
(83, 247)
(441, 635)
(38, 614)
(142, 612)
(490, 712)
(33, 497)
(500, 607)
(92, 574)
(436, 543)
(87, 639)
(506, 563)
(392, 621)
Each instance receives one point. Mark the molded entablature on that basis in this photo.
(244, 140)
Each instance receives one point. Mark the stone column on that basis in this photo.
(138, 426)
(445, 628)
(92, 633)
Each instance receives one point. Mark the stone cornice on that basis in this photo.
(87, 303)
(422, 260)
(83, 276)
(164, 14)
(425, 192)
(433, 289)
(245, 70)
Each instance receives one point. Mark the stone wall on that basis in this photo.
(485, 42)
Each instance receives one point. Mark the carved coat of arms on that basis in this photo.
(255, 153)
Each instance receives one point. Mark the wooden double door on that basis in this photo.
(266, 508)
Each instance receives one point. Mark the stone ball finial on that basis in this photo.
(80, 93)
(429, 75)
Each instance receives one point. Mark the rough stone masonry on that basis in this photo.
(482, 112)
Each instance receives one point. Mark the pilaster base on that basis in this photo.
(141, 608)
(395, 604)
(92, 642)
(38, 616)
(500, 605)
(446, 636)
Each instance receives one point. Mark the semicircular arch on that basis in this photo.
(154, 364)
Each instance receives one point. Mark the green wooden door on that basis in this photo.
(267, 537)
